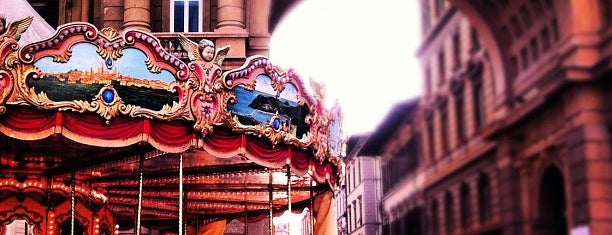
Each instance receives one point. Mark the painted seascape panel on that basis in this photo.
(86, 72)
(261, 104)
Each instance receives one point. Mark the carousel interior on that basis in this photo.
(89, 146)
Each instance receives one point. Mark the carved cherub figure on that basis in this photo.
(14, 29)
(204, 53)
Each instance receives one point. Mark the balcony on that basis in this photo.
(237, 41)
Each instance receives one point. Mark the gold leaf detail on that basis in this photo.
(63, 58)
(151, 66)
(109, 33)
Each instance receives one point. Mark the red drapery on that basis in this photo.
(27, 123)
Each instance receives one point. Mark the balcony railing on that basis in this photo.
(170, 41)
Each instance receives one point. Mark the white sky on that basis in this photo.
(364, 51)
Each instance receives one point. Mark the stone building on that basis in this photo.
(515, 117)
(363, 190)
(244, 24)
(397, 144)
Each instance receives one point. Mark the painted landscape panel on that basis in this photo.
(260, 105)
(86, 72)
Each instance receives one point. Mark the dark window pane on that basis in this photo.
(193, 16)
(179, 11)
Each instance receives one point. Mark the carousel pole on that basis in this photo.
(140, 182)
(246, 217)
(271, 198)
(72, 200)
(311, 214)
(289, 198)
(180, 195)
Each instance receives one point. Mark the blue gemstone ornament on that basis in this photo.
(276, 124)
(109, 62)
(108, 95)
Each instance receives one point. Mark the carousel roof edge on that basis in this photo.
(106, 78)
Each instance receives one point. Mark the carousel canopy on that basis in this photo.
(118, 120)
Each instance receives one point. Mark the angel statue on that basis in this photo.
(14, 29)
(203, 54)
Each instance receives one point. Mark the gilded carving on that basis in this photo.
(72, 39)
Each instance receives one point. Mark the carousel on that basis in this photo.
(104, 133)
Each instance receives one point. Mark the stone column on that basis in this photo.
(113, 14)
(230, 16)
(136, 15)
(259, 34)
(588, 156)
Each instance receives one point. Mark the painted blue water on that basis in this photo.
(245, 97)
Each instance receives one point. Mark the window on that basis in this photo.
(360, 221)
(439, 8)
(464, 192)
(506, 37)
(186, 15)
(545, 39)
(441, 68)
(474, 39)
(349, 218)
(427, 81)
(606, 12)
(456, 50)
(354, 183)
(555, 30)
(516, 27)
(484, 198)
(448, 213)
(524, 58)
(536, 5)
(348, 178)
(434, 217)
(359, 179)
(444, 127)
(459, 115)
(535, 53)
(426, 19)
(514, 67)
(478, 97)
(526, 16)
(48, 10)
(354, 215)
(430, 139)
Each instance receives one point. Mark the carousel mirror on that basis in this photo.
(19, 227)
(65, 228)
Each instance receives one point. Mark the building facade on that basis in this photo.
(245, 25)
(397, 143)
(363, 190)
(341, 212)
(515, 117)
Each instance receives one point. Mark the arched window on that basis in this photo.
(551, 204)
(484, 198)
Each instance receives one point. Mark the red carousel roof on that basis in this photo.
(99, 110)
